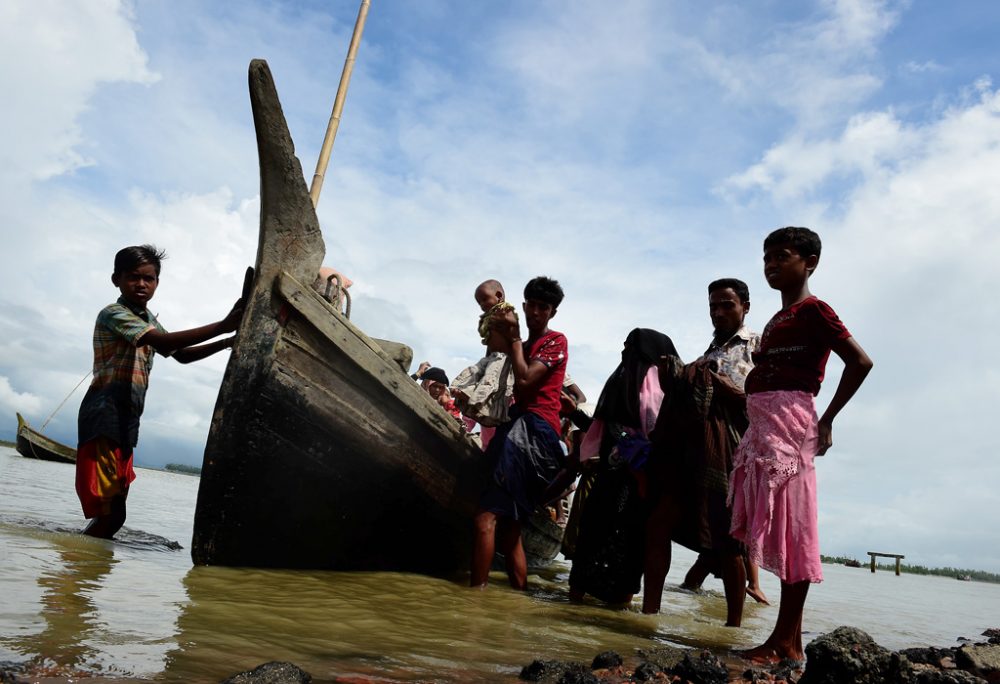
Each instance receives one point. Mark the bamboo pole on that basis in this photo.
(338, 104)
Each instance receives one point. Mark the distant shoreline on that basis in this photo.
(4, 442)
(955, 573)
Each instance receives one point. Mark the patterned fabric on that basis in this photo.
(486, 320)
(117, 394)
(772, 489)
(733, 357)
(527, 455)
(489, 386)
(552, 350)
(698, 430)
(794, 348)
(103, 471)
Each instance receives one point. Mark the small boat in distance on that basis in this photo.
(964, 578)
(852, 563)
(33, 444)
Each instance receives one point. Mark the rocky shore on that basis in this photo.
(844, 656)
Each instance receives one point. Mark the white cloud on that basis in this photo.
(57, 55)
(930, 66)
(12, 401)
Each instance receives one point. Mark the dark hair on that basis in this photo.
(802, 240)
(544, 289)
(734, 284)
(131, 258)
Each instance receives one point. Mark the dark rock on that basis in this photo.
(980, 659)
(946, 677)
(663, 657)
(848, 654)
(552, 671)
(703, 668)
(992, 635)
(604, 660)
(271, 673)
(928, 655)
(578, 677)
(755, 675)
(8, 673)
(645, 672)
(787, 669)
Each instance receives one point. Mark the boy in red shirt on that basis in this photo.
(526, 451)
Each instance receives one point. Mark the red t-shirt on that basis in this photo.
(794, 348)
(552, 350)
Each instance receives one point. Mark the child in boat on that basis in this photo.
(526, 451)
(125, 336)
(434, 381)
(773, 484)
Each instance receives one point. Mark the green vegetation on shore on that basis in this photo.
(181, 468)
(4, 442)
(976, 575)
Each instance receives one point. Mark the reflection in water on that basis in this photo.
(71, 616)
(396, 626)
(74, 605)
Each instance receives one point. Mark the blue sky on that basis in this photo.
(635, 152)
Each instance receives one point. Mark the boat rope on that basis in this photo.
(110, 362)
(64, 400)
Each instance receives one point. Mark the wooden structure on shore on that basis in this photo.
(322, 452)
(898, 556)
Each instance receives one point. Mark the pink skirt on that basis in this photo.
(772, 488)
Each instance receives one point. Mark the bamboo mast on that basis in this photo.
(338, 104)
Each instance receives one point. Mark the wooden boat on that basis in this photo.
(33, 444)
(322, 452)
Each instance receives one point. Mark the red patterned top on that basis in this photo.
(794, 348)
(552, 350)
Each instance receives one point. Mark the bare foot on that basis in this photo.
(765, 654)
(757, 595)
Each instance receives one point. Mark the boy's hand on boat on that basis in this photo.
(232, 320)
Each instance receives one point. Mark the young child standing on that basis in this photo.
(125, 336)
(773, 484)
(526, 451)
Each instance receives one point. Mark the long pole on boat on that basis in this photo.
(338, 104)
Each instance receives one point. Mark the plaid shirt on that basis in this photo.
(114, 401)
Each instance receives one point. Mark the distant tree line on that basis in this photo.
(181, 468)
(4, 442)
(977, 575)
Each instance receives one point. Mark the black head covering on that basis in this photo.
(619, 402)
(436, 374)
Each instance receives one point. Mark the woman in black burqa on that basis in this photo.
(608, 555)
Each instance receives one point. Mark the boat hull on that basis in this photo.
(323, 453)
(33, 444)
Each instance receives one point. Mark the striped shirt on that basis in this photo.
(115, 399)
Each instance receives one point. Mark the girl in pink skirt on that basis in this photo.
(772, 488)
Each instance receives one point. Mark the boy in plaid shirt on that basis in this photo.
(125, 336)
